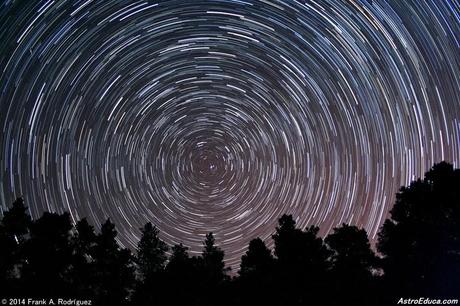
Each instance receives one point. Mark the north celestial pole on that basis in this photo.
(221, 116)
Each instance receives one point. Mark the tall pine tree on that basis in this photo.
(114, 270)
(151, 251)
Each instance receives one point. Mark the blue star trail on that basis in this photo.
(221, 116)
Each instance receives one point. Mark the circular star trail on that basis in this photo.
(222, 115)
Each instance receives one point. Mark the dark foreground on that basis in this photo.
(49, 261)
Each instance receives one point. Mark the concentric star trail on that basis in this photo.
(221, 116)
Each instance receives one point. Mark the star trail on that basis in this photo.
(221, 116)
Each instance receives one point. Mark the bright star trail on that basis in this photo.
(222, 115)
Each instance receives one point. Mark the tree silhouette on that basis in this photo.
(114, 271)
(48, 255)
(301, 265)
(286, 233)
(419, 247)
(179, 259)
(14, 226)
(151, 259)
(16, 220)
(84, 238)
(181, 276)
(421, 241)
(211, 271)
(352, 264)
(213, 261)
(256, 274)
(82, 272)
(151, 251)
(258, 260)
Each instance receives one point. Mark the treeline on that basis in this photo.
(418, 256)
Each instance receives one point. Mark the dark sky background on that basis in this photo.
(222, 115)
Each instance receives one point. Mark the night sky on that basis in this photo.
(221, 116)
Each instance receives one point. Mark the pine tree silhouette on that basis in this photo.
(421, 241)
(151, 251)
(352, 264)
(181, 277)
(14, 228)
(301, 269)
(113, 266)
(419, 247)
(212, 271)
(257, 262)
(256, 275)
(82, 272)
(213, 260)
(151, 259)
(48, 255)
